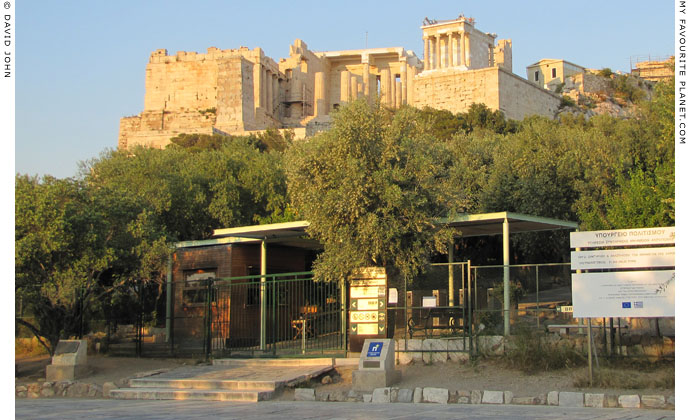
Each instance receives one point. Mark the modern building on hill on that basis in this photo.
(239, 91)
(549, 73)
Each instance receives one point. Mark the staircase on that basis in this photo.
(225, 380)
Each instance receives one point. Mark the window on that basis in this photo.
(195, 285)
(536, 76)
(553, 73)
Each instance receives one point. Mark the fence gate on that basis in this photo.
(274, 315)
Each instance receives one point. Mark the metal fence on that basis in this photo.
(272, 315)
(224, 317)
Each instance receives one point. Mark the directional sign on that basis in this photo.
(366, 329)
(364, 292)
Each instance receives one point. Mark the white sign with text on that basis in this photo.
(624, 294)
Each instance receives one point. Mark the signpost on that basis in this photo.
(626, 281)
(367, 310)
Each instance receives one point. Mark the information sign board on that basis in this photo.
(624, 294)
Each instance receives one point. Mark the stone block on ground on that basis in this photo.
(95, 390)
(77, 390)
(492, 397)
(629, 401)
(507, 397)
(671, 402)
(456, 351)
(438, 350)
(610, 401)
(366, 398)
(435, 395)
(381, 395)
(552, 398)
(417, 396)
(322, 395)
(407, 357)
(476, 396)
(47, 392)
(354, 396)
(337, 396)
(594, 400)
(525, 400)
(107, 387)
(404, 395)
(464, 397)
(653, 401)
(571, 399)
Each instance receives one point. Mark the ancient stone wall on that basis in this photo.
(456, 90)
(519, 98)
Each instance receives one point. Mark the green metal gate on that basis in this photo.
(274, 315)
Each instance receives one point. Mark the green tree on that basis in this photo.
(372, 187)
(62, 250)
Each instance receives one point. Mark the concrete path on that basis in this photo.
(169, 410)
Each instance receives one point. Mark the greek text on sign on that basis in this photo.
(364, 316)
(623, 258)
(624, 294)
(623, 237)
(364, 292)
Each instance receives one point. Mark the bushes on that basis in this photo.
(531, 351)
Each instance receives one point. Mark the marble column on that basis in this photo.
(320, 93)
(276, 92)
(427, 59)
(468, 53)
(398, 94)
(344, 86)
(437, 54)
(269, 92)
(403, 81)
(385, 86)
(353, 88)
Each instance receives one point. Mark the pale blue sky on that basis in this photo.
(80, 64)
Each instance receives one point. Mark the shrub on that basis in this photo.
(531, 351)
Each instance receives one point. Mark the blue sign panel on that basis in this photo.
(375, 349)
(626, 305)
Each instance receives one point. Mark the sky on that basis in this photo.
(80, 65)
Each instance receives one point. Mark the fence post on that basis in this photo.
(207, 321)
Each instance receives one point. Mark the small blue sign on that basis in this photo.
(375, 349)
(626, 305)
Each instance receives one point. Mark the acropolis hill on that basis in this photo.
(241, 90)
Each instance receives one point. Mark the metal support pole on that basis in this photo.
(343, 314)
(506, 278)
(451, 287)
(262, 296)
(589, 351)
(538, 313)
(168, 300)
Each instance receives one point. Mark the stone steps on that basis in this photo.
(190, 394)
(250, 380)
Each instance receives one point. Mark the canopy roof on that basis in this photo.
(295, 233)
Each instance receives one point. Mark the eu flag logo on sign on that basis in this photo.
(626, 305)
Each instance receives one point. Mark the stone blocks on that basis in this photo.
(381, 395)
(653, 401)
(571, 399)
(594, 400)
(492, 397)
(629, 401)
(435, 395)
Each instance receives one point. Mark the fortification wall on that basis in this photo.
(519, 98)
(155, 128)
(456, 90)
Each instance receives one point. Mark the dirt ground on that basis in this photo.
(483, 375)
